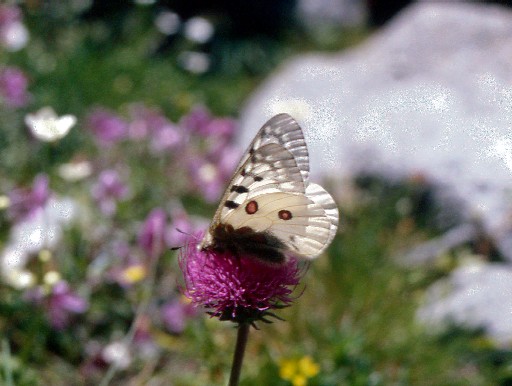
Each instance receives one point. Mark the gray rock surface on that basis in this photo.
(474, 296)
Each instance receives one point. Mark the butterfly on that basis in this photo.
(270, 210)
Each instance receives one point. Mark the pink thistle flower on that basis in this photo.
(237, 288)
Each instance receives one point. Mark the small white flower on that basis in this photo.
(20, 279)
(168, 22)
(46, 126)
(198, 29)
(15, 37)
(194, 62)
(118, 354)
(75, 171)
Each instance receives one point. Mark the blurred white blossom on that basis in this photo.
(41, 230)
(194, 62)
(75, 171)
(15, 37)
(198, 29)
(167, 22)
(47, 126)
(117, 353)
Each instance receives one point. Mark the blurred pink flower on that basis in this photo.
(196, 120)
(209, 174)
(151, 233)
(200, 121)
(180, 229)
(206, 178)
(223, 127)
(25, 202)
(237, 288)
(147, 122)
(166, 138)
(9, 14)
(144, 121)
(227, 159)
(176, 313)
(13, 87)
(60, 304)
(108, 190)
(107, 127)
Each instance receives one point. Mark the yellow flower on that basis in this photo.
(133, 274)
(4, 202)
(297, 371)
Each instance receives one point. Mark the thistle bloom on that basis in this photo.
(237, 288)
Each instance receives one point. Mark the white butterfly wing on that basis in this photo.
(282, 130)
(269, 193)
(297, 221)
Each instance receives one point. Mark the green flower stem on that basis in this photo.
(238, 357)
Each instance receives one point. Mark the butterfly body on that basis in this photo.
(270, 210)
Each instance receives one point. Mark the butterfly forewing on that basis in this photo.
(269, 209)
(283, 130)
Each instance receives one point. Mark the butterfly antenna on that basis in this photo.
(183, 233)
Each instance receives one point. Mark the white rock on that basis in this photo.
(474, 296)
(430, 93)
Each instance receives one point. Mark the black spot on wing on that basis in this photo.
(239, 189)
(231, 204)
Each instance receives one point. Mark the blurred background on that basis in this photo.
(122, 121)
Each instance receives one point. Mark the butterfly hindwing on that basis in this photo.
(297, 221)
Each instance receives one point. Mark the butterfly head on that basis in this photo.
(206, 243)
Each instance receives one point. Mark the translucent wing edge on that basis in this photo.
(320, 196)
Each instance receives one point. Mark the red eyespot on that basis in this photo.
(251, 207)
(285, 215)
